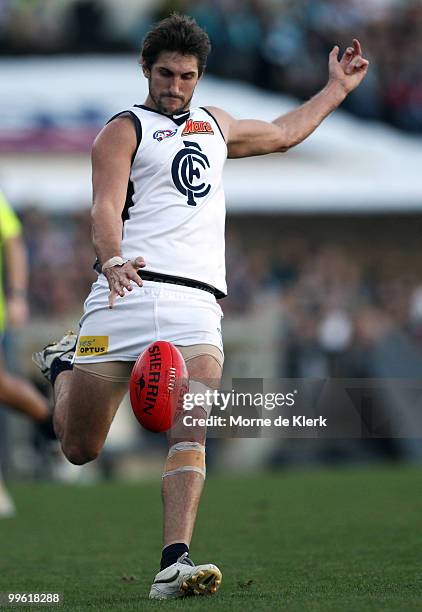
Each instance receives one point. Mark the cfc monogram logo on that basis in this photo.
(186, 172)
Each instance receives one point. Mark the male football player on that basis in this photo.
(158, 230)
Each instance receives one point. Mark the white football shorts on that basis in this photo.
(156, 311)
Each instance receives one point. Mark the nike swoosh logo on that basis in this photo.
(176, 575)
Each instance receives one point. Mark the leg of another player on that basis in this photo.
(181, 492)
(17, 393)
(7, 507)
(85, 406)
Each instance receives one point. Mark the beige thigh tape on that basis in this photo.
(196, 350)
(119, 371)
(112, 371)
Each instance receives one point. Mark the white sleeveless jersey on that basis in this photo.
(174, 215)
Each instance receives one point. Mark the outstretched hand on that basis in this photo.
(350, 71)
(121, 278)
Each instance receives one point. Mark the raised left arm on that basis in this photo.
(246, 138)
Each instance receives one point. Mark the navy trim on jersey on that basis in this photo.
(218, 125)
(178, 120)
(129, 201)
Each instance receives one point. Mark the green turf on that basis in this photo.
(315, 541)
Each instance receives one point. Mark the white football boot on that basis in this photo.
(184, 578)
(64, 349)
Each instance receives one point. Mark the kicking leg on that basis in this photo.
(85, 406)
(85, 402)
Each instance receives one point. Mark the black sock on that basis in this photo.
(57, 367)
(171, 553)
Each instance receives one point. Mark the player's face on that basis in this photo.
(172, 81)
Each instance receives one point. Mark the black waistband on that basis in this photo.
(179, 280)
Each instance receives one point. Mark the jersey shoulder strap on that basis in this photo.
(215, 120)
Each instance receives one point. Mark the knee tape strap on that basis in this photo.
(199, 397)
(185, 457)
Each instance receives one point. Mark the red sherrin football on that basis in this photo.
(158, 383)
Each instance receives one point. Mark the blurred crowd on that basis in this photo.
(61, 259)
(277, 44)
(343, 312)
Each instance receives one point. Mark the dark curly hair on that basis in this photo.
(176, 33)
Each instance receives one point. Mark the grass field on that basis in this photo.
(303, 541)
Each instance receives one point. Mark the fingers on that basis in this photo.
(334, 52)
(118, 287)
(351, 69)
(124, 284)
(121, 279)
(352, 59)
(357, 47)
(347, 56)
(357, 63)
(111, 298)
(139, 262)
(117, 290)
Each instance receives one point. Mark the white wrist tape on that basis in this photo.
(113, 261)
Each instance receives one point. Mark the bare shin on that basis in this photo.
(184, 473)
